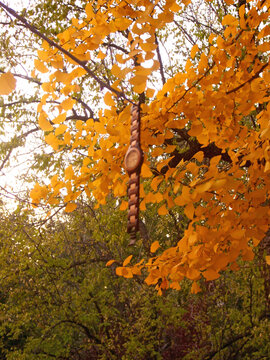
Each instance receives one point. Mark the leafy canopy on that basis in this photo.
(205, 130)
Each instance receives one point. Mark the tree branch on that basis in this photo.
(255, 76)
(12, 148)
(209, 151)
(239, 337)
(25, 77)
(188, 37)
(109, 45)
(161, 68)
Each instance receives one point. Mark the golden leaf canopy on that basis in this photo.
(205, 133)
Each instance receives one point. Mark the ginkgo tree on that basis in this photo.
(205, 129)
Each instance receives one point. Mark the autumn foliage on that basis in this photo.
(205, 131)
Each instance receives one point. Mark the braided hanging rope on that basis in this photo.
(133, 163)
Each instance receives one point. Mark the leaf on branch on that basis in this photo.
(70, 207)
(127, 261)
(122, 23)
(7, 83)
(210, 274)
(69, 173)
(52, 140)
(189, 210)
(60, 118)
(195, 288)
(44, 123)
(155, 245)
(68, 104)
(108, 99)
(40, 66)
(110, 262)
(163, 210)
(229, 20)
(194, 51)
(146, 172)
(101, 55)
(60, 130)
(139, 83)
(123, 271)
(124, 205)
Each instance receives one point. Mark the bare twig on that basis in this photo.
(161, 69)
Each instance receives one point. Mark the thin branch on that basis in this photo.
(161, 68)
(193, 19)
(193, 85)
(109, 45)
(83, 327)
(6, 159)
(28, 102)
(11, 149)
(188, 37)
(232, 341)
(91, 112)
(25, 77)
(249, 80)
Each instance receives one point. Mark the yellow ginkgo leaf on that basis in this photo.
(148, 46)
(163, 210)
(67, 138)
(108, 99)
(115, 70)
(155, 245)
(110, 262)
(199, 156)
(101, 55)
(68, 104)
(60, 118)
(229, 20)
(140, 87)
(70, 207)
(69, 173)
(210, 274)
(127, 261)
(43, 55)
(194, 51)
(123, 271)
(122, 23)
(7, 83)
(146, 172)
(124, 205)
(150, 92)
(189, 210)
(52, 140)
(267, 258)
(195, 288)
(40, 66)
(44, 124)
(61, 129)
(175, 285)
(139, 82)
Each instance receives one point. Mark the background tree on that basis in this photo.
(59, 300)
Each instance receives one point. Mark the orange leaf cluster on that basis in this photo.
(219, 107)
